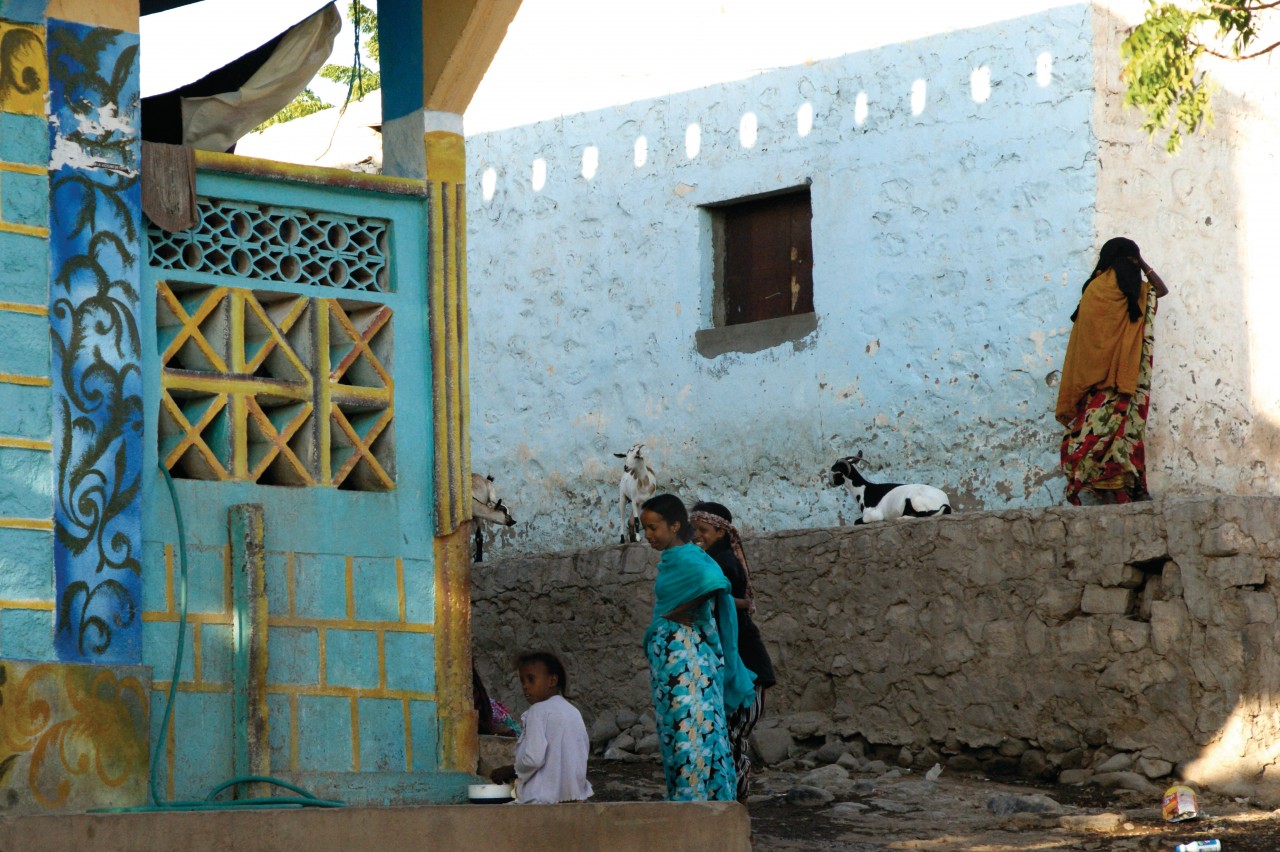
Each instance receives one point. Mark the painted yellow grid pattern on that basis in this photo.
(201, 683)
(245, 373)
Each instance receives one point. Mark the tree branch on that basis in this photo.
(1228, 56)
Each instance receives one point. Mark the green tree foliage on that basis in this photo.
(1162, 53)
(305, 103)
(359, 79)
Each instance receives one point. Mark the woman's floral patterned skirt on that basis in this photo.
(686, 676)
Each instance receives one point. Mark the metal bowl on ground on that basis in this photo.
(489, 794)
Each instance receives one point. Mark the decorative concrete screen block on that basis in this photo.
(245, 373)
(287, 245)
(73, 736)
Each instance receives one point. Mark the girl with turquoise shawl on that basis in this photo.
(697, 678)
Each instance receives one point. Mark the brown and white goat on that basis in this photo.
(638, 483)
(486, 506)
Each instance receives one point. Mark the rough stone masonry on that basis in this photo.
(1121, 645)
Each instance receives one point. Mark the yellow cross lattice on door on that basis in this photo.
(244, 373)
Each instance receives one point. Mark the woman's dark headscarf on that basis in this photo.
(1120, 254)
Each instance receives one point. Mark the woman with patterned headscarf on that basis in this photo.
(714, 532)
(1106, 378)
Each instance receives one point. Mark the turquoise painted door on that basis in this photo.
(286, 364)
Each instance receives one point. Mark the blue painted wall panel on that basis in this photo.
(206, 579)
(320, 585)
(160, 643)
(376, 596)
(26, 349)
(293, 655)
(27, 11)
(324, 733)
(410, 663)
(351, 658)
(25, 634)
(419, 591)
(24, 139)
(154, 592)
(24, 199)
(278, 736)
(216, 653)
(381, 735)
(426, 735)
(277, 584)
(26, 483)
(24, 412)
(25, 572)
(202, 755)
(24, 269)
(95, 265)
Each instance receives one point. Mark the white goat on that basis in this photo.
(885, 501)
(638, 483)
(487, 506)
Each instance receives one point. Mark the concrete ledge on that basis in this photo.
(612, 826)
(754, 336)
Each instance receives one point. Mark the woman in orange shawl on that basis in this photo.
(1106, 378)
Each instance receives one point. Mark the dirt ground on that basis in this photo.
(902, 810)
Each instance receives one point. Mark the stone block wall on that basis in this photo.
(1072, 634)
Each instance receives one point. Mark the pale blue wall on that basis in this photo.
(949, 248)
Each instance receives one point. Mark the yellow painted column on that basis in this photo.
(447, 286)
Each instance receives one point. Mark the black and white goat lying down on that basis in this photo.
(885, 501)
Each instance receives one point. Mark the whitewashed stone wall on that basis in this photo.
(1044, 640)
(1207, 220)
(951, 232)
(950, 247)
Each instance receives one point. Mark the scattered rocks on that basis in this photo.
(1124, 780)
(1033, 763)
(619, 754)
(603, 729)
(648, 744)
(831, 752)
(1153, 767)
(807, 724)
(1075, 776)
(848, 761)
(891, 806)
(825, 777)
(849, 810)
(808, 797)
(1036, 803)
(771, 745)
(1102, 823)
(1121, 762)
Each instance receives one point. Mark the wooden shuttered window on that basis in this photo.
(765, 258)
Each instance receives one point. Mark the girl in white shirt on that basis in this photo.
(551, 754)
